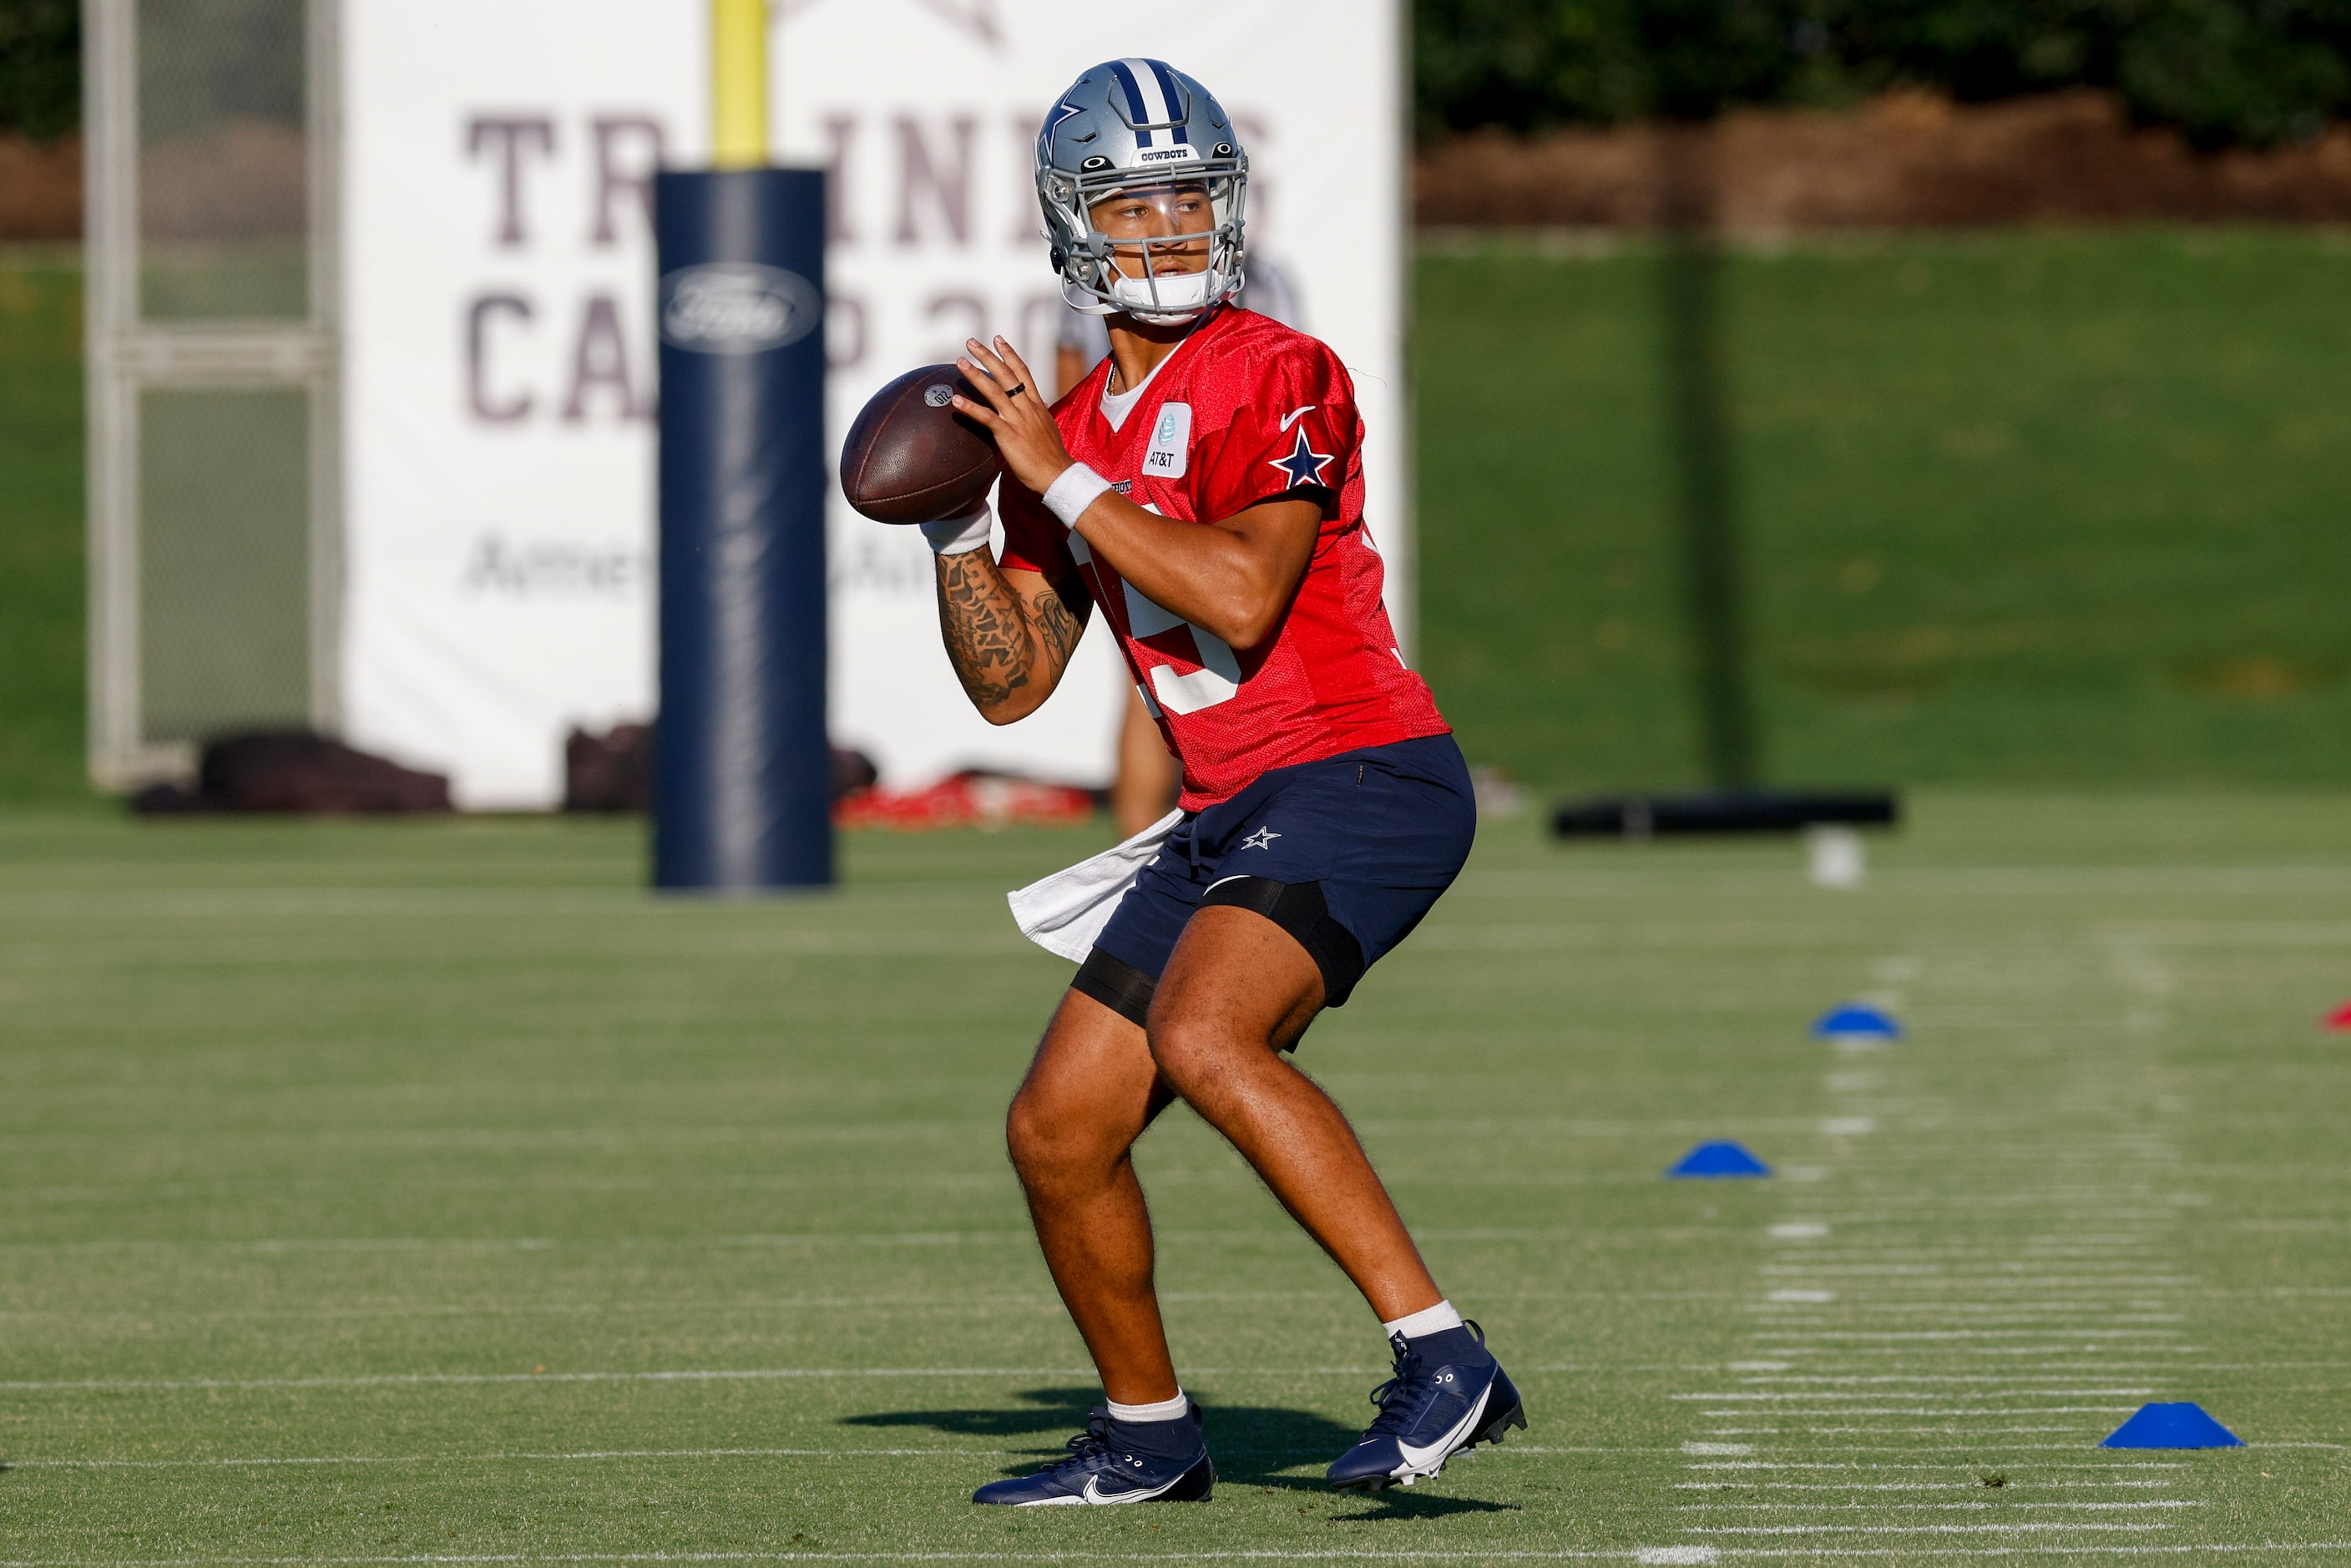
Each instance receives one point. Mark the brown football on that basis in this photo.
(912, 458)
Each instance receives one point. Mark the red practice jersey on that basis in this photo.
(1244, 411)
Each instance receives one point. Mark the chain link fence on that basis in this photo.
(214, 580)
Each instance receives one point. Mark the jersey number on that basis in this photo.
(1219, 678)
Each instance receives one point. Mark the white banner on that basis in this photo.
(499, 372)
(499, 276)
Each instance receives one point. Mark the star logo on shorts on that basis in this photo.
(1262, 839)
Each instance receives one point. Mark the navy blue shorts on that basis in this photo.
(1346, 855)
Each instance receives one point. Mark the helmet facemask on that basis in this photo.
(1101, 276)
(1131, 126)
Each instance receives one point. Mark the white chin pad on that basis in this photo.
(1173, 296)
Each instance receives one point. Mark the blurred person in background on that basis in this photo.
(1143, 790)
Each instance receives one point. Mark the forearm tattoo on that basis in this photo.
(986, 634)
(1059, 629)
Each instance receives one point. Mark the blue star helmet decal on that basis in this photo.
(1063, 112)
(1304, 465)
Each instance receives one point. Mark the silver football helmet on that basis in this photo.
(1125, 125)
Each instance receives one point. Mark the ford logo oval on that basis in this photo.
(738, 308)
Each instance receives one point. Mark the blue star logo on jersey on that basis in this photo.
(1304, 465)
(1263, 838)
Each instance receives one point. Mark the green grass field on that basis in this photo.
(2026, 508)
(426, 1192)
(2035, 509)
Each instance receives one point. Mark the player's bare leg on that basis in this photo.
(1237, 988)
(1089, 1093)
(1095, 1085)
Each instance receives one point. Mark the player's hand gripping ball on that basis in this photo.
(912, 458)
(1013, 406)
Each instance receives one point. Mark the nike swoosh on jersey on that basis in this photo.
(1294, 417)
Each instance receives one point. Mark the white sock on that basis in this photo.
(1165, 1410)
(1427, 1321)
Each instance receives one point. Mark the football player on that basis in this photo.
(1203, 489)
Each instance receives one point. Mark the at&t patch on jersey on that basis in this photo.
(1171, 442)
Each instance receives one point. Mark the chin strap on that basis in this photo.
(1148, 299)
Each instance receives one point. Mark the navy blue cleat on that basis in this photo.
(1448, 1394)
(1105, 1467)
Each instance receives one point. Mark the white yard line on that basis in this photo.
(405, 1244)
(1908, 1377)
(1956, 1430)
(304, 1461)
(2126, 1465)
(400, 1379)
(2049, 1526)
(1895, 1335)
(1824, 1394)
(608, 1454)
(1996, 1250)
(2117, 1463)
(1815, 1506)
(724, 1375)
(1556, 1555)
(1848, 1412)
(1885, 1486)
(2084, 1549)
(1295, 1555)
(794, 1303)
(2041, 1528)
(2016, 1354)
(1994, 1277)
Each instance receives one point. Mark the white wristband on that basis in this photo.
(959, 536)
(1068, 496)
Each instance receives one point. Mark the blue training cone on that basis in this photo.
(2181, 1426)
(1720, 1160)
(1856, 1021)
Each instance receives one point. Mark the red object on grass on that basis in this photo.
(970, 799)
(2340, 1019)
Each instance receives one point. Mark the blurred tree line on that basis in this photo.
(225, 56)
(2254, 72)
(41, 66)
(2224, 71)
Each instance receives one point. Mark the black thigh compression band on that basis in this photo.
(1116, 985)
(1298, 908)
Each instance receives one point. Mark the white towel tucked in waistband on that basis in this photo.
(1065, 912)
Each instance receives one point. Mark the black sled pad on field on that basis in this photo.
(1722, 811)
(298, 771)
